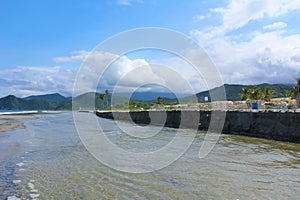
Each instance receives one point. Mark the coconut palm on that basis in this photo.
(106, 97)
(297, 89)
(101, 97)
(269, 93)
(288, 94)
(256, 93)
(297, 93)
(246, 94)
(159, 100)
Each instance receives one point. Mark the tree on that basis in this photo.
(159, 100)
(246, 95)
(256, 93)
(288, 94)
(101, 97)
(269, 93)
(297, 89)
(106, 97)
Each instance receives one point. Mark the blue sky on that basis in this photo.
(42, 43)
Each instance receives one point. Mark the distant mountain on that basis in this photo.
(48, 97)
(232, 91)
(151, 96)
(14, 103)
(85, 101)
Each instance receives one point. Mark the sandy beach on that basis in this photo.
(7, 123)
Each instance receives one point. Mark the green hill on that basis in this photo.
(48, 97)
(14, 103)
(232, 92)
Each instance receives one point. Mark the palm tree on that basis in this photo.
(297, 89)
(288, 94)
(251, 95)
(256, 93)
(297, 92)
(159, 100)
(106, 96)
(101, 97)
(246, 94)
(269, 93)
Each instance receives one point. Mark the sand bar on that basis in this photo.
(19, 116)
(6, 125)
(7, 122)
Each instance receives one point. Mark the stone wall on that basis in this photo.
(271, 125)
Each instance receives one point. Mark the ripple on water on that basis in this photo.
(57, 166)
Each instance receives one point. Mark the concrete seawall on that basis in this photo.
(270, 125)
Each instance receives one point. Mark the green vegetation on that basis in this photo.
(256, 94)
(297, 89)
(233, 91)
(13, 103)
(159, 101)
(288, 94)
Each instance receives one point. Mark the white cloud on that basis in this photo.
(128, 2)
(275, 25)
(238, 13)
(198, 18)
(78, 56)
(125, 74)
(33, 80)
(255, 56)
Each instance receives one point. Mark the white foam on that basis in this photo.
(21, 169)
(34, 191)
(18, 112)
(34, 195)
(20, 164)
(30, 185)
(13, 198)
(16, 181)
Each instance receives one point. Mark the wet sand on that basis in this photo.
(8, 123)
(19, 116)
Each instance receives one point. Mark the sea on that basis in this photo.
(48, 160)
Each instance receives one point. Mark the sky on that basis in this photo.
(43, 43)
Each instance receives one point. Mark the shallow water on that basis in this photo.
(47, 160)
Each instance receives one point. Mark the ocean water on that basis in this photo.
(47, 160)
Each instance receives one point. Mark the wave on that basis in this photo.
(18, 112)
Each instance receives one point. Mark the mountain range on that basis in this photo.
(58, 102)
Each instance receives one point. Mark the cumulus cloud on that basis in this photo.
(254, 56)
(122, 74)
(33, 80)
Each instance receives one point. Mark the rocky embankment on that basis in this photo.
(282, 126)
